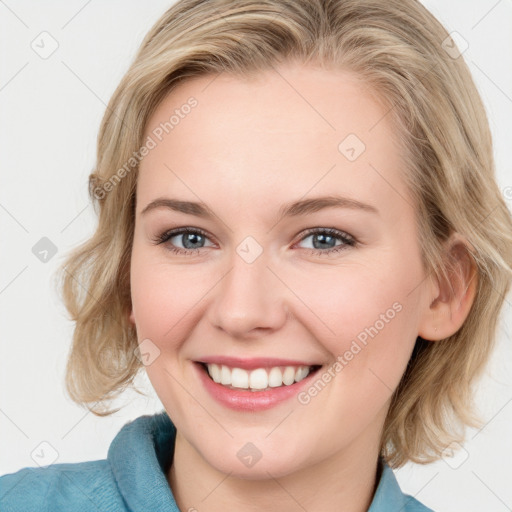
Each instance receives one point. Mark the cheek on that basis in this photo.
(366, 315)
(163, 298)
(165, 303)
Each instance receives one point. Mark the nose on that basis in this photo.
(250, 300)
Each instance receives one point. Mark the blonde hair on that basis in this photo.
(397, 48)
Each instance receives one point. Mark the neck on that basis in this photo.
(346, 482)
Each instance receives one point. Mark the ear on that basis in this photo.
(450, 298)
(132, 317)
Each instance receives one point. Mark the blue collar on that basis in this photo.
(142, 452)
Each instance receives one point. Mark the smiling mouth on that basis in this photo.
(258, 379)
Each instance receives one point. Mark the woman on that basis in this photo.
(333, 163)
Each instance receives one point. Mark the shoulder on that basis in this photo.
(135, 463)
(83, 485)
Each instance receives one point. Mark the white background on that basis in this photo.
(50, 114)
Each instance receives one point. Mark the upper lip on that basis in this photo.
(253, 362)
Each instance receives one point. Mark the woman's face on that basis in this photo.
(303, 256)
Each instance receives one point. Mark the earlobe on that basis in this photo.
(132, 317)
(453, 294)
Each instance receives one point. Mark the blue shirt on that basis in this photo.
(133, 478)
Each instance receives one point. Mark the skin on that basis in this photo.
(247, 148)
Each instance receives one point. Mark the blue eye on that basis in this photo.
(193, 239)
(324, 240)
(190, 239)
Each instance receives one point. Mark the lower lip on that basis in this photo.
(246, 400)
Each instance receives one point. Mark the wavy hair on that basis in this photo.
(399, 50)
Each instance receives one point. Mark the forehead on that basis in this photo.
(295, 130)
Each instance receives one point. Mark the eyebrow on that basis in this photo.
(293, 209)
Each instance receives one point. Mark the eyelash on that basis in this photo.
(348, 240)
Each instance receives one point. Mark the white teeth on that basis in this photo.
(289, 375)
(239, 378)
(259, 378)
(275, 378)
(225, 376)
(214, 372)
(301, 373)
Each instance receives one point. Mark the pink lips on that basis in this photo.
(253, 363)
(244, 399)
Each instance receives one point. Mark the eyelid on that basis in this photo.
(189, 229)
(332, 231)
(347, 240)
(170, 233)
